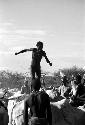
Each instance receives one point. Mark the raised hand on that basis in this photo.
(16, 53)
(50, 64)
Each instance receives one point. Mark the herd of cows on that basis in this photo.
(62, 111)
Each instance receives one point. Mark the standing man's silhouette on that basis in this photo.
(37, 54)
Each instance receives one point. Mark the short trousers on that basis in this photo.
(35, 70)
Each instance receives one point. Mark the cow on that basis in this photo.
(4, 118)
(65, 114)
(16, 114)
(8, 103)
(54, 95)
(62, 113)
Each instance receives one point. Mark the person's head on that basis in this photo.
(39, 45)
(36, 84)
(72, 77)
(84, 76)
(65, 80)
(26, 83)
(78, 79)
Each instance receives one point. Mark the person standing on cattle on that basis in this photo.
(39, 104)
(37, 54)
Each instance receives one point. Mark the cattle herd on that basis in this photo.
(63, 113)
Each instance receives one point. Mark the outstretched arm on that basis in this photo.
(47, 60)
(25, 50)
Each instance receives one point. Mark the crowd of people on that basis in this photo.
(75, 90)
(78, 91)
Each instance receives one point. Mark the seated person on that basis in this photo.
(25, 89)
(3, 105)
(64, 89)
(3, 100)
(78, 91)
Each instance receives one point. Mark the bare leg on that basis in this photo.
(38, 72)
(32, 72)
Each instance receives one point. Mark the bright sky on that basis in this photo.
(60, 24)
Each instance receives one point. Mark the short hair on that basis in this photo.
(39, 44)
(36, 84)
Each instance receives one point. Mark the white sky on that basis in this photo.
(60, 24)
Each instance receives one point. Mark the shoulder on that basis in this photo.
(34, 49)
